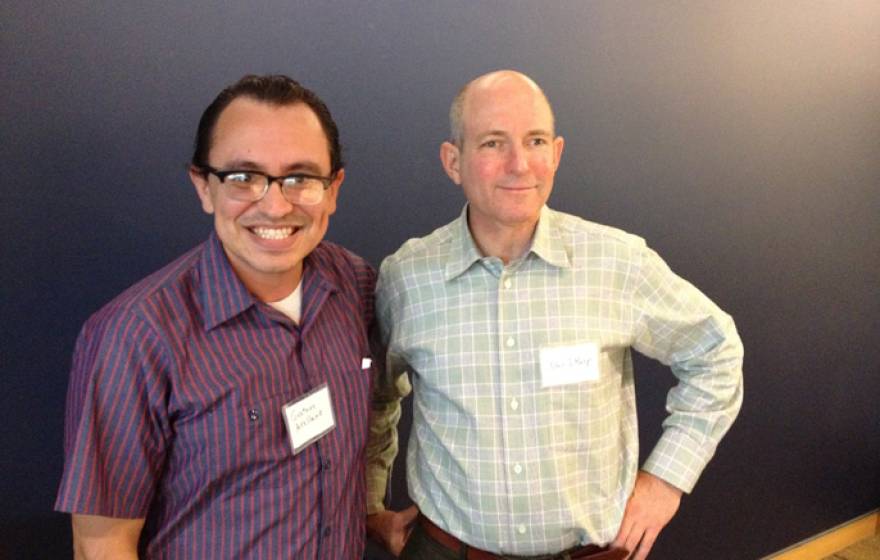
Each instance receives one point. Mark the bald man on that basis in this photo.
(515, 323)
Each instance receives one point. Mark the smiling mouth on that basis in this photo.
(273, 233)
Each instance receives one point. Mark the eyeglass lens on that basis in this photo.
(252, 187)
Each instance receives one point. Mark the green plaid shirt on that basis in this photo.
(494, 458)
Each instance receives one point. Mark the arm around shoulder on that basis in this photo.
(96, 537)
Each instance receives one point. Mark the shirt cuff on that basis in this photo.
(679, 459)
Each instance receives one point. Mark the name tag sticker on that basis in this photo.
(564, 365)
(309, 418)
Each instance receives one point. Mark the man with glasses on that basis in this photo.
(219, 407)
(516, 323)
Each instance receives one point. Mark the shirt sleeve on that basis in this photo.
(391, 385)
(115, 428)
(679, 326)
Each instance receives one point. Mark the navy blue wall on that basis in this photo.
(740, 138)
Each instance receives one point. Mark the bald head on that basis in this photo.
(490, 83)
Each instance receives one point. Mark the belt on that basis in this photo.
(590, 551)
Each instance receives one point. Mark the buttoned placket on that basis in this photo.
(510, 335)
(307, 359)
(310, 357)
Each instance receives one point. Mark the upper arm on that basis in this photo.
(678, 324)
(118, 429)
(97, 537)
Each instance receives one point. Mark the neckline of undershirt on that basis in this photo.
(290, 305)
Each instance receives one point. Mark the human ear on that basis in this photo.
(200, 182)
(333, 191)
(450, 157)
(558, 145)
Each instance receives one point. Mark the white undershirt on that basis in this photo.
(291, 305)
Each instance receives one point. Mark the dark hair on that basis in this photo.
(274, 89)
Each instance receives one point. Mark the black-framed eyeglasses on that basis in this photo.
(251, 186)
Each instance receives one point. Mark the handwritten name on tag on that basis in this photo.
(564, 365)
(309, 418)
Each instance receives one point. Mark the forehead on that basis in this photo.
(509, 105)
(265, 133)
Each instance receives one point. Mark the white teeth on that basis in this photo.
(273, 233)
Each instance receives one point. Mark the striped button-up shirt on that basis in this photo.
(174, 412)
(502, 455)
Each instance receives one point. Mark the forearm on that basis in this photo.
(382, 447)
(105, 551)
(105, 538)
(702, 407)
(382, 442)
(390, 387)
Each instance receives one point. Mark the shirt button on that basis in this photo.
(254, 414)
(326, 532)
(510, 342)
(514, 404)
(521, 529)
(326, 465)
(507, 283)
(517, 468)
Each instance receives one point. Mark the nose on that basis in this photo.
(517, 160)
(274, 203)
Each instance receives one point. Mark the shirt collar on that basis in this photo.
(463, 250)
(223, 295)
(547, 244)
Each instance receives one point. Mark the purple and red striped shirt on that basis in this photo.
(174, 411)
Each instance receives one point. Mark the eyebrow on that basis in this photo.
(540, 132)
(534, 132)
(300, 166)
